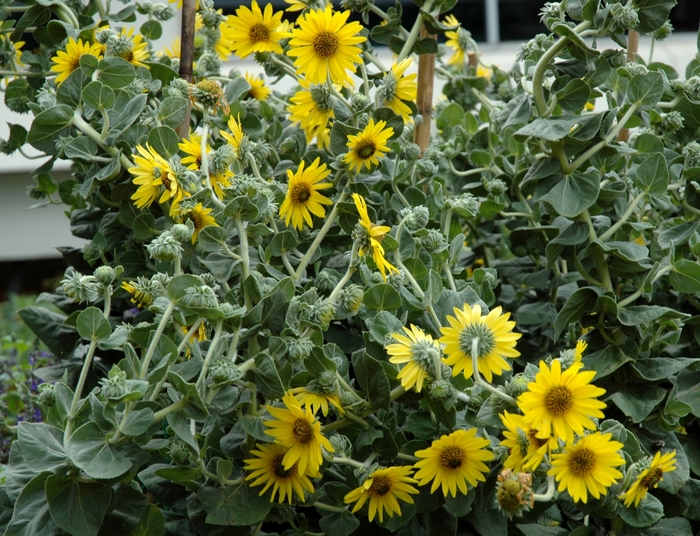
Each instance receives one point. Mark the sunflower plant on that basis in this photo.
(347, 306)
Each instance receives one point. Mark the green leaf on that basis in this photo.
(283, 241)
(92, 325)
(267, 378)
(638, 401)
(177, 288)
(371, 378)
(151, 29)
(160, 71)
(460, 505)
(382, 297)
(580, 303)
(235, 505)
(685, 276)
(82, 147)
(42, 446)
(574, 96)
(539, 530)
(659, 368)
(532, 314)
(339, 524)
(635, 315)
(434, 287)
(60, 338)
(88, 450)
(48, 126)
(383, 326)
(451, 116)
(195, 408)
(125, 118)
(179, 474)
(98, 96)
(164, 141)
(573, 194)
(652, 13)
(116, 72)
(646, 89)
(649, 511)
(138, 422)
(77, 507)
(606, 361)
(151, 523)
(318, 362)
(426, 45)
(558, 128)
(31, 515)
(172, 111)
(652, 174)
(688, 384)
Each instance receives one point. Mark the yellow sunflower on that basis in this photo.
(405, 88)
(418, 351)
(526, 450)
(495, 336)
(192, 147)
(368, 146)
(236, 137)
(138, 54)
(268, 469)
(219, 181)
(140, 297)
(650, 477)
(303, 197)
(588, 466)
(201, 217)
(325, 45)
(453, 460)
(313, 116)
(255, 31)
(298, 430)
(375, 234)
(258, 90)
(67, 62)
(455, 41)
(174, 50)
(580, 348)
(561, 403)
(317, 400)
(382, 488)
(151, 173)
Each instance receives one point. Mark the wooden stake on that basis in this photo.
(424, 100)
(187, 56)
(632, 47)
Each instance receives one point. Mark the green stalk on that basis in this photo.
(415, 31)
(245, 258)
(86, 129)
(154, 343)
(619, 223)
(598, 256)
(78, 391)
(210, 353)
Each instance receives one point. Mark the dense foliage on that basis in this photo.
(292, 319)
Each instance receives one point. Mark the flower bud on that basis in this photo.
(514, 494)
(662, 33)
(179, 453)
(350, 299)
(326, 280)
(410, 152)
(114, 386)
(104, 275)
(223, 371)
(441, 390)
(517, 385)
(495, 186)
(300, 348)
(426, 167)
(165, 248)
(671, 122)
(181, 232)
(81, 288)
(200, 296)
(341, 444)
(327, 380)
(359, 101)
(434, 241)
(415, 217)
(47, 394)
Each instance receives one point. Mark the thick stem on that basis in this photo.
(78, 390)
(547, 496)
(619, 223)
(210, 353)
(413, 35)
(245, 259)
(156, 337)
(86, 129)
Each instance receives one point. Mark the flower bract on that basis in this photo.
(588, 466)
(453, 460)
(495, 336)
(303, 197)
(383, 488)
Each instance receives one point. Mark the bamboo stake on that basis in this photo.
(187, 56)
(632, 47)
(424, 100)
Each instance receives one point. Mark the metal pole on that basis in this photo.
(493, 31)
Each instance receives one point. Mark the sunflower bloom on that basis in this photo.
(299, 431)
(258, 90)
(325, 45)
(67, 62)
(588, 466)
(201, 217)
(561, 403)
(192, 147)
(303, 198)
(650, 477)
(317, 401)
(236, 137)
(137, 54)
(580, 348)
(456, 41)
(374, 236)
(418, 351)
(382, 489)
(368, 146)
(313, 115)
(252, 30)
(267, 468)
(152, 172)
(495, 336)
(399, 88)
(526, 450)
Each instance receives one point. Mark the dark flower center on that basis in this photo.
(537, 442)
(302, 431)
(381, 485)
(366, 149)
(278, 468)
(652, 479)
(452, 458)
(301, 192)
(259, 33)
(582, 462)
(326, 44)
(559, 400)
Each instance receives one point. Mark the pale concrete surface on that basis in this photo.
(31, 234)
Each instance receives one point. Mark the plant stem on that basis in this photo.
(245, 259)
(154, 343)
(547, 496)
(86, 129)
(328, 507)
(629, 299)
(78, 390)
(348, 461)
(483, 383)
(330, 220)
(600, 262)
(415, 31)
(619, 223)
(210, 352)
